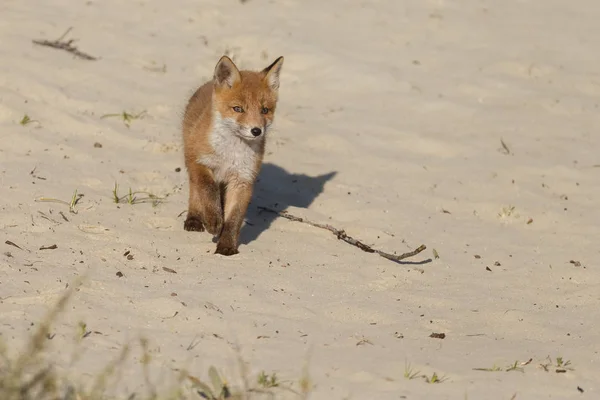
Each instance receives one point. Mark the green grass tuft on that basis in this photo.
(132, 198)
(127, 118)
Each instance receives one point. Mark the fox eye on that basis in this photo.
(238, 109)
(264, 110)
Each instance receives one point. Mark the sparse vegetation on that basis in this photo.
(30, 376)
(434, 378)
(507, 212)
(516, 366)
(410, 373)
(494, 368)
(72, 204)
(26, 120)
(131, 197)
(559, 366)
(126, 116)
(268, 381)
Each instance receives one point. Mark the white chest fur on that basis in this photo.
(233, 157)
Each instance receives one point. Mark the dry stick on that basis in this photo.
(66, 46)
(346, 238)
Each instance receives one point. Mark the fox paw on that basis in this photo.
(226, 250)
(193, 224)
(213, 224)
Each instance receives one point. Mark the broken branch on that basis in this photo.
(65, 45)
(341, 235)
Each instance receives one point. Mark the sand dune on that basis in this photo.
(390, 126)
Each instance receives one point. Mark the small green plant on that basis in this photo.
(560, 363)
(74, 200)
(267, 381)
(409, 372)
(127, 117)
(560, 366)
(515, 367)
(26, 120)
(507, 212)
(434, 378)
(131, 197)
(82, 331)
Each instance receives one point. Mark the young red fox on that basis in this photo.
(224, 129)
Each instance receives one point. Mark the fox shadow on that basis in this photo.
(279, 189)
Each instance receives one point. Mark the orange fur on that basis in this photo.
(224, 130)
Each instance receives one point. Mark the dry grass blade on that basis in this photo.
(203, 389)
(38, 340)
(32, 376)
(72, 204)
(100, 381)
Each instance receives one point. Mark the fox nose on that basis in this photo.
(256, 131)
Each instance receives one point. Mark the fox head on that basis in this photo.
(244, 101)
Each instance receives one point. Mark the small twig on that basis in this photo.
(341, 234)
(394, 257)
(66, 46)
(64, 34)
(8, 242)
(48, 218)
(505, 148)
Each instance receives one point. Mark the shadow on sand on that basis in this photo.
(279, 189)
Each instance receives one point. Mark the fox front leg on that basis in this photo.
(237, 198)
(204, 210)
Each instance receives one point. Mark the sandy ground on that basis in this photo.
(389, 126)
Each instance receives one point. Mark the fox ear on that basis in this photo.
(226, 73)
(271, 73)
